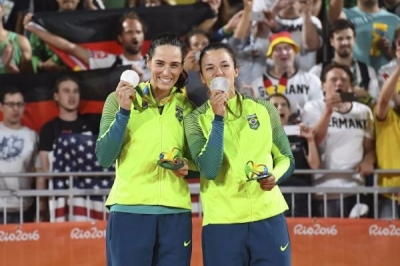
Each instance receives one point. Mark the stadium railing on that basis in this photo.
(72, 192)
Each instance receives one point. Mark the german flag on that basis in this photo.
(97, 30)
(272, 89)
(95, 86)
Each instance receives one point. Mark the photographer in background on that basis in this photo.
(341, 124)
(196, 40)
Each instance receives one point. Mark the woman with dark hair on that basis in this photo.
(142, 130)
(242, 153)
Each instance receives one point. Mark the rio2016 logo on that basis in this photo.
(19, 236)
(314, 230)
(391, 230)
(92, 233)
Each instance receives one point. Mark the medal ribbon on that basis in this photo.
(147, 100)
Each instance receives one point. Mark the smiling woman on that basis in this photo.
(142, 130)
(242, 153)
(165, 61)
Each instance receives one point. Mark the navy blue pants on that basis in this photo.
(149, 240)
(261, 243)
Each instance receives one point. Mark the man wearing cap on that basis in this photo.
(284, 77)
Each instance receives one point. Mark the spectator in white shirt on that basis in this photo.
(18, 154)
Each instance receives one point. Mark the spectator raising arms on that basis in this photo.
(43, 58)
(296, 17)
(131, 37)
(15, 50)
(386, 70)
(388, 140)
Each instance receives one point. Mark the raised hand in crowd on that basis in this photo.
(269, 21)
(27, 19)
(49, 64)
(214, 5)
(233, 22)
(247, 4)
(125, 95)
(388, 92)
(247, 89)
(7, 57)
(316, 7)
(90, 4)
(279, 5)
(311, 7)
(191, 61)
(313, 157)
(209, 24)
(360, 92)
(332, 101)
(384, 45)
(242, 29)
(307, 7)
(15, 49)
(306, 132)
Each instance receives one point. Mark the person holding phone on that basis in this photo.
(142, 130)
(305, 152)
(344, 133)
(243, 154)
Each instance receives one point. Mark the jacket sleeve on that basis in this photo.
(207, 153)
(112, 130)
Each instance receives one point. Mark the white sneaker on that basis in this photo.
(359, 210)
